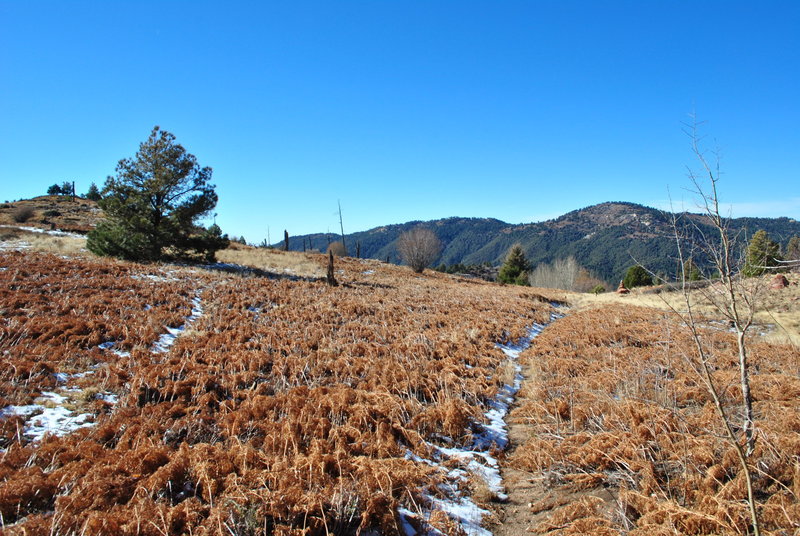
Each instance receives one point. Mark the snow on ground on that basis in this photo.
(48, 416)
(475, 461)
(51, 232)
(50, 413)
(165, 341)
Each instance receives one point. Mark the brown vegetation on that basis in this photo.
(288, 407)
(614, 404)
(54, 211)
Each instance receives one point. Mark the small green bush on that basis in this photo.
(598, 289)
(51, 213)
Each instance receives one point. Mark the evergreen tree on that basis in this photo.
(93, 193)
(762, 253)
(153, 202)
(690, 271)
(515, 268)
(54, 190)
(66, 188)
(637, 276)
(793, 249)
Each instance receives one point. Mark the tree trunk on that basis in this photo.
(330, 278)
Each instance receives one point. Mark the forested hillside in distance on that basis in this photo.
(606, 238)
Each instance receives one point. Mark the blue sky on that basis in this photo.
(409, 110)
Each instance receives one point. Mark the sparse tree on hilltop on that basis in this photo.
(55, 189)
(93, 193)
(515, 268)
(418, 248)
(153, 203)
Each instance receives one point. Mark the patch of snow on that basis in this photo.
(165, 341)
(14, 245)
(57, 420)
(476, 460)
(61, 377)
(368, 272)
(53, 232)
(111, 398)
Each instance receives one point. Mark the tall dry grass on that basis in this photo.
(777, 317)
(273, 260)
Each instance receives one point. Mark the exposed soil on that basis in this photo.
(531, 498)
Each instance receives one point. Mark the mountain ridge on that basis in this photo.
(606, 238)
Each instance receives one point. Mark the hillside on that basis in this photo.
(605, 238)
(77, 215)
(196, 397)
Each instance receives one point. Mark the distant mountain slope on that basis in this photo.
(605, 238)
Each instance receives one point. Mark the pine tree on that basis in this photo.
(515, 268)
(636, 276)
(762, 253)
(93, 193)
(793, 249)
(152, 205)
(55, 189)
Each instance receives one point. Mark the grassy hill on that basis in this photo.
(76, 215)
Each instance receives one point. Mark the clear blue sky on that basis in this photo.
(407, 110)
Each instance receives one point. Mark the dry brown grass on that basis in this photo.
(15, 238)
(290, 407)
(78, 215)
(777, 317)
(615, 405)
(273, 260)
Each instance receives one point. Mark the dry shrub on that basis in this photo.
(22, 214)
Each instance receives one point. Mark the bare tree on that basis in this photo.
(418, 248)
(337, 248)
(564, 274)
(731, 295)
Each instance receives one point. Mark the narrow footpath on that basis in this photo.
(515, 515)
(531, 499)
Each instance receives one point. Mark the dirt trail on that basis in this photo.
(515, 516)
(531, 499)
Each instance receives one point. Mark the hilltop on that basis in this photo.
(63, 212)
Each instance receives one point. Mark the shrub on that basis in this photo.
(337, 248)
(418, 248)
(51, 213)
(22, 214)
(598, 289)
(637, 277)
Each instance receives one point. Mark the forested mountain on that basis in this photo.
(605, 238)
